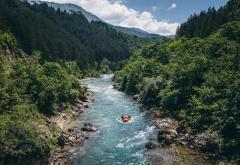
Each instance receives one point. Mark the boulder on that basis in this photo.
(70, 130)
(181, 129)
(164, 139)
(116, 86)
(136, 97)
(86, 106)
(150, 145)
(89, 128)
(83, 98)
(161, 137)
(61, 141)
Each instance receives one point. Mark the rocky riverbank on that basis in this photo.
(70, 135)
(170, 132)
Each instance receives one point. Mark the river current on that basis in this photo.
(117, 142)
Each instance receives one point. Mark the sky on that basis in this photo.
(154, 16)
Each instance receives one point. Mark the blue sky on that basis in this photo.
(154, 16)
(184, 8)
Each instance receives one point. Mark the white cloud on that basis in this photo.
(173, 6)
(116, 13)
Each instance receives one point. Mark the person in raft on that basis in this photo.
(125, 118)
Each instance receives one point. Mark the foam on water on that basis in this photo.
(122, 143)
(116, 142)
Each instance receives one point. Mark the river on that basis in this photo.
(117, 142)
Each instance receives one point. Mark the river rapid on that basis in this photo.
(123, 143)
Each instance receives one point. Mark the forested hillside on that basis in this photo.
(43, 55)
(203, 24)
(195, 80)
(60, 35)
(31, 92)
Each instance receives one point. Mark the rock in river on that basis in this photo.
(89, 128)
(150, 145)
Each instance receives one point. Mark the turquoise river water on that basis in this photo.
(118, 143)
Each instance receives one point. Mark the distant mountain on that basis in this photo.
(71, 7)
(62, 36)
(136, 32)
(171, 36)
(91, 17)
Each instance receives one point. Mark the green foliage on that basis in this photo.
(105, 66)
(8, 40)
(195, 80)
(30, 91)
(61, 35)
(207, 22)
(72, 68)
(21, 133)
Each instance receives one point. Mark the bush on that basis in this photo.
(195, 80)
(21, 134)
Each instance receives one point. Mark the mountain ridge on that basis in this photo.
(91, 17)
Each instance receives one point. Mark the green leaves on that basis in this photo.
(30, 91)
(20, 132)
(207, 22)
(60, 35)
(8, 40)
(199, 82)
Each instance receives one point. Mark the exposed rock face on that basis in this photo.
(67, 140)
(169, 132)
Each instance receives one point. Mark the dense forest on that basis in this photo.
(205, 23)
(35, 86)
(61, 35)
(195, 80)
(30, 93)
(44, 53)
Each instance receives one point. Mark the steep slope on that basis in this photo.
(31, 93)
(91, 17)
(60, 35)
